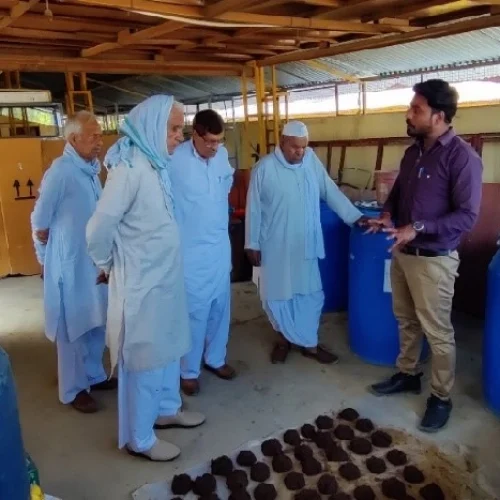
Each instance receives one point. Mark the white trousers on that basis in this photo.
(209, 325)
(142, 398)
(79, 363)
(297, 319)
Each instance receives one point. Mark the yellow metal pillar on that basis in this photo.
(276, 106)
(244, 93)
(261, 97)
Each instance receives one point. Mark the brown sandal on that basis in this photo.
(321, 355)
(280, 352)
(225, 372)
(190, 387)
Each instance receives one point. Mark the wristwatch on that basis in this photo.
(418, 226)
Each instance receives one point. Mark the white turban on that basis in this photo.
(295, 129)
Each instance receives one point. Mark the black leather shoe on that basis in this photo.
(437, 414)
(398, 383)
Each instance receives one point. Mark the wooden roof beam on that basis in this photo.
(407, 9)
(355, 9)
(379, 42)
(223, 6)
(164, 9)
(35, 63)
(127, 38)
(16, 12)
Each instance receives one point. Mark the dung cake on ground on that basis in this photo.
(181, 484)
(324, 440)
(376, 465)
(292, 437)
(349, 472)
(361, 446)
(381, 439)
(365, 425)
(432, 492)
(260, 472)
(294, 481)
(364, 493)
(240, 495)
(397, 457)
(303, 452)
(210, 496)
(237, 480)
(311, 467)
(282, 463)
(222, 466)
(413, 475)
(246, 458)
(327, 484)
(204, 485)
(307, 494)
(271, 448)
(344, 432)
(324, 422)
(349, 414)
(394, 489)
(265, 491)
(341, 496)
(336, 454)
(308, 431)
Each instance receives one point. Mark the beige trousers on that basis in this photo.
(422, 294)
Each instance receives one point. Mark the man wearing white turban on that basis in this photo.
(284, 238)
(134, 238)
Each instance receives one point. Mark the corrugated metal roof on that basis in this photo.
(481, 46)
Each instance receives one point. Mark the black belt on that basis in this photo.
(422, 252)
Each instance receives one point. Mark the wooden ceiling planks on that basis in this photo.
(223, 34)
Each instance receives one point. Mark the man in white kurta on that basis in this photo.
(74, 303)
(201, 180)
(134, 238)
(284, 238)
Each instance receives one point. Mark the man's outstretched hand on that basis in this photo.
(377, 225)
(401, 236)
(254, 257)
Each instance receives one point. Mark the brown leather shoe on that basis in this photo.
(225, 372)
(321, 355)
(190, 386)
(84, 403)
(106, 385)
(280, 352)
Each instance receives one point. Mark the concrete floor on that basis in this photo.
(77, 454)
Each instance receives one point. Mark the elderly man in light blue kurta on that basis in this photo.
(75, 306)
(284, 238)
(201, 180)
(133, 238)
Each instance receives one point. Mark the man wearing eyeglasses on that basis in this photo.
(201, 180)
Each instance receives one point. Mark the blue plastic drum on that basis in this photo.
(491, 338)
(14, 480)
(334, 267)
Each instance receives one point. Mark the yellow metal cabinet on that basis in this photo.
(20, 177)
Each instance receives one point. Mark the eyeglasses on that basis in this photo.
(212, 143)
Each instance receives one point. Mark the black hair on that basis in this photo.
(440, 96)
(208, 121)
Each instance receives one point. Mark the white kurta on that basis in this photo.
(201, 189)
(277, 219)
(134, 235)
(67, 199)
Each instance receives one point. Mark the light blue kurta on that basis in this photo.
(133, 235)
(201, 188)
(68, 196)
(282, 221)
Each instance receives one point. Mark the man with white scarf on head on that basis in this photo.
(74, 304)
(284, 238)
(134, 238)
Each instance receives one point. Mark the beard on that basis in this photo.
(417, 133)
